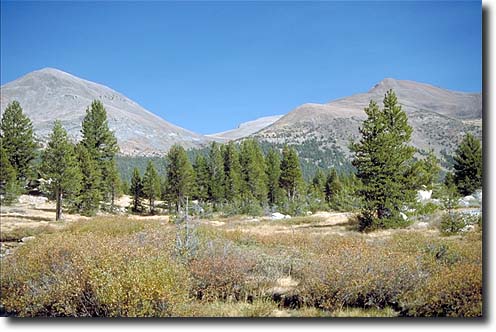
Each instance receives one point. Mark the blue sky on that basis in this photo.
(207, 66)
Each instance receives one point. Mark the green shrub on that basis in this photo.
(93, 274)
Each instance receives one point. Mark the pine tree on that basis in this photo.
(232, 172)
(101, 143)
(88, 198)
(383, 160)
(426, 172)
(253, 172)
(16, 132)
(151, 185)
(319, 184)
(468, 165)
(273, 169)
(179, 175)
(60, 167)
(291, 178)
(9, 188)
(216, 170)
(202, 178)
(333, 189)
(136, 191)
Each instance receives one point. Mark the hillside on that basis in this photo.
(439, 117)
(49, 94)
(245, 129)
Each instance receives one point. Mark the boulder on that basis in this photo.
(279, 216)
(424, 195)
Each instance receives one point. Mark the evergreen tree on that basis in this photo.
(319, 184)
(253, 172)
(202, 178)
(179, 175)
(216, 170)
(232, 172)
(273, 169)
(16, 132)
(468, 165)
(151, 185)
(88, 199)
(101, 143)
(136, 191)
(426, 171)
(333, 189)
(291, 178)
(60, 167)
(8, 181)
(383, 159)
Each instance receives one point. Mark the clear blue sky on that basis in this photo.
(209, 66)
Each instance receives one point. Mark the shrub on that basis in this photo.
(87, 272)
(454, 291)
(220, 273)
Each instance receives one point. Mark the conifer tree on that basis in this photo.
(291, 178)
(202, 178)
(425, 172)
(216, 170)
(151, 185)
(319, 184)
(232, 172)
(333, 188)
(253, 171)
(88, 199)
(136, 191)
(468, 165)
(16, 132)
(179, 176)
(60, 167)
(101, 144)
(273, 169)
(383, 160)
(8, 180)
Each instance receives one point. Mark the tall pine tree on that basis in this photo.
(253, 172)
(273, 170)
(88, 199)
(179, 176)
(383, 160)
(16, 133)
(216, 170)
(232, 172)
(136, 191)
(101, 144)
(151, 185)
(60, 167)
(8, 181)
(468, 165)
(291, 179)
(202, 178)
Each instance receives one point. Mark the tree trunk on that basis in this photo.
(58, 208)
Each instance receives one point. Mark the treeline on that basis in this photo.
(239, 178)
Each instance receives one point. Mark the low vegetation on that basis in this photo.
(125, 267)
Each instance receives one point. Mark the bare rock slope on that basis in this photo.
(49, 94)
(439, 118)
(245, 129)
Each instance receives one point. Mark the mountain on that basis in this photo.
(322, 132)
(49, 94)
(245, 129)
